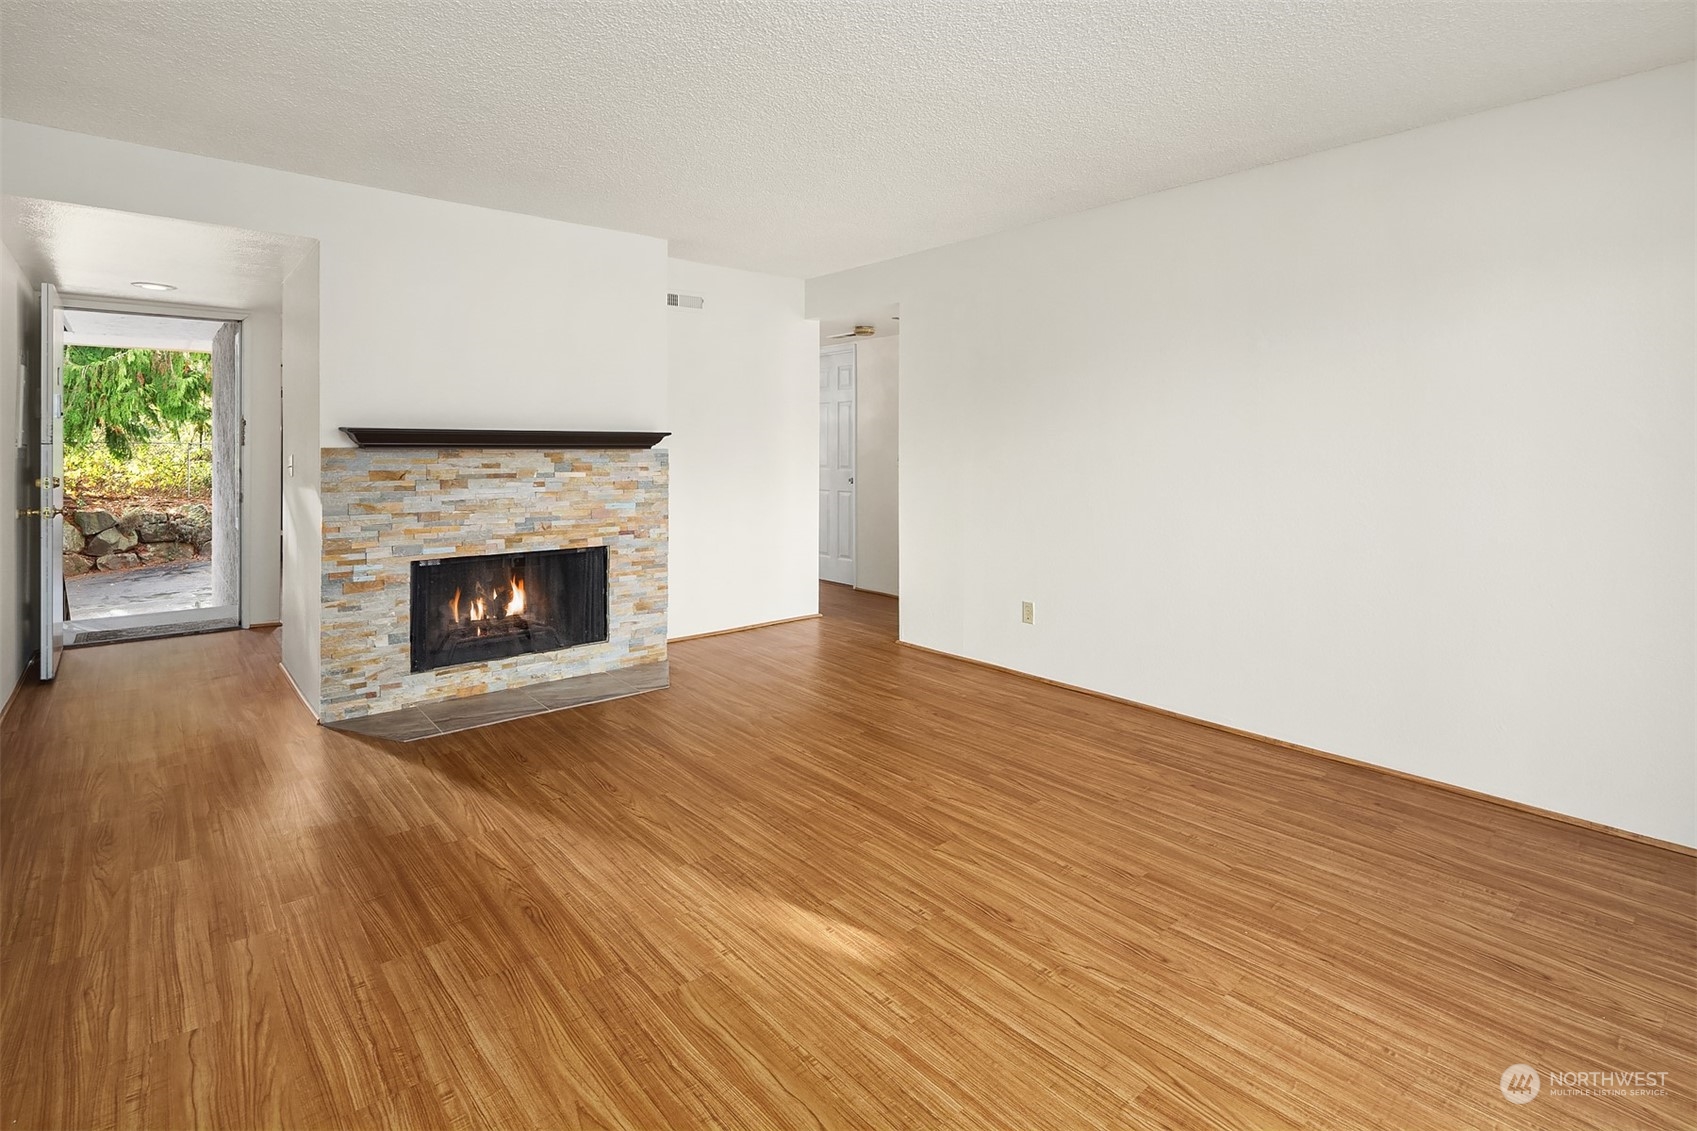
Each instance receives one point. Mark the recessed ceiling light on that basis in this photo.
(154, 286)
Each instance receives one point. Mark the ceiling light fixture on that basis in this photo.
(154, 286)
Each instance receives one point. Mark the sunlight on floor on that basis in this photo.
(828, 934)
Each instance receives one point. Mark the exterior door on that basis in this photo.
(836, 465)
(51, 496)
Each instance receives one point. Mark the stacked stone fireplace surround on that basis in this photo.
(387, 508)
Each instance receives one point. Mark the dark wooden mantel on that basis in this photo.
(498, 438)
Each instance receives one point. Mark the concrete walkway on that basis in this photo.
(154, 589)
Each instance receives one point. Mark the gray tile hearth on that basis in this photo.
(449, 715)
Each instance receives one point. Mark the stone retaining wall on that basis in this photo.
(98, 540)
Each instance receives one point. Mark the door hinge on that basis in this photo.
(243, 443)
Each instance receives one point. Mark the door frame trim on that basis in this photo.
(105, 305)
(51, 597)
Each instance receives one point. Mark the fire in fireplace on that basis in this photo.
(474, 609)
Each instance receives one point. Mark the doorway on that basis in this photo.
(859, 465)
(151, 446)
(859, 469)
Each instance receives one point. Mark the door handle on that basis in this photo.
(37, 512)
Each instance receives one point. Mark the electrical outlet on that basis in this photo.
(1027, 613)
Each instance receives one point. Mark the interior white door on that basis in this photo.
(51, 495)
(836, 465)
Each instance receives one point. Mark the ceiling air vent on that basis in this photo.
(688, 302)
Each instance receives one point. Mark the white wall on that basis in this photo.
(876, 390)
(1387, 451)
(432, 313)
(302, 512)
(19, 313)
(443, 314)
(744, 451)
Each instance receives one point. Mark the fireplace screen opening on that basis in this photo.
(474, 609)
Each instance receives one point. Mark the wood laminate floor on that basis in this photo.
(821, 882)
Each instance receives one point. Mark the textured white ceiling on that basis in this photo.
(791, 135)
(99, 253)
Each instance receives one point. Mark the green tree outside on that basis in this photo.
(136, 421)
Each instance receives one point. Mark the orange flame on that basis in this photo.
(490, 606)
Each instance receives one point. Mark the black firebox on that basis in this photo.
(474, 609)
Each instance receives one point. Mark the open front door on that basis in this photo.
(51, 472)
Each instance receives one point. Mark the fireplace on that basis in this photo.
(474, 609)
(385, 510)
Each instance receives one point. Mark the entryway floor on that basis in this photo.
(155, 589)
(163, 600)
